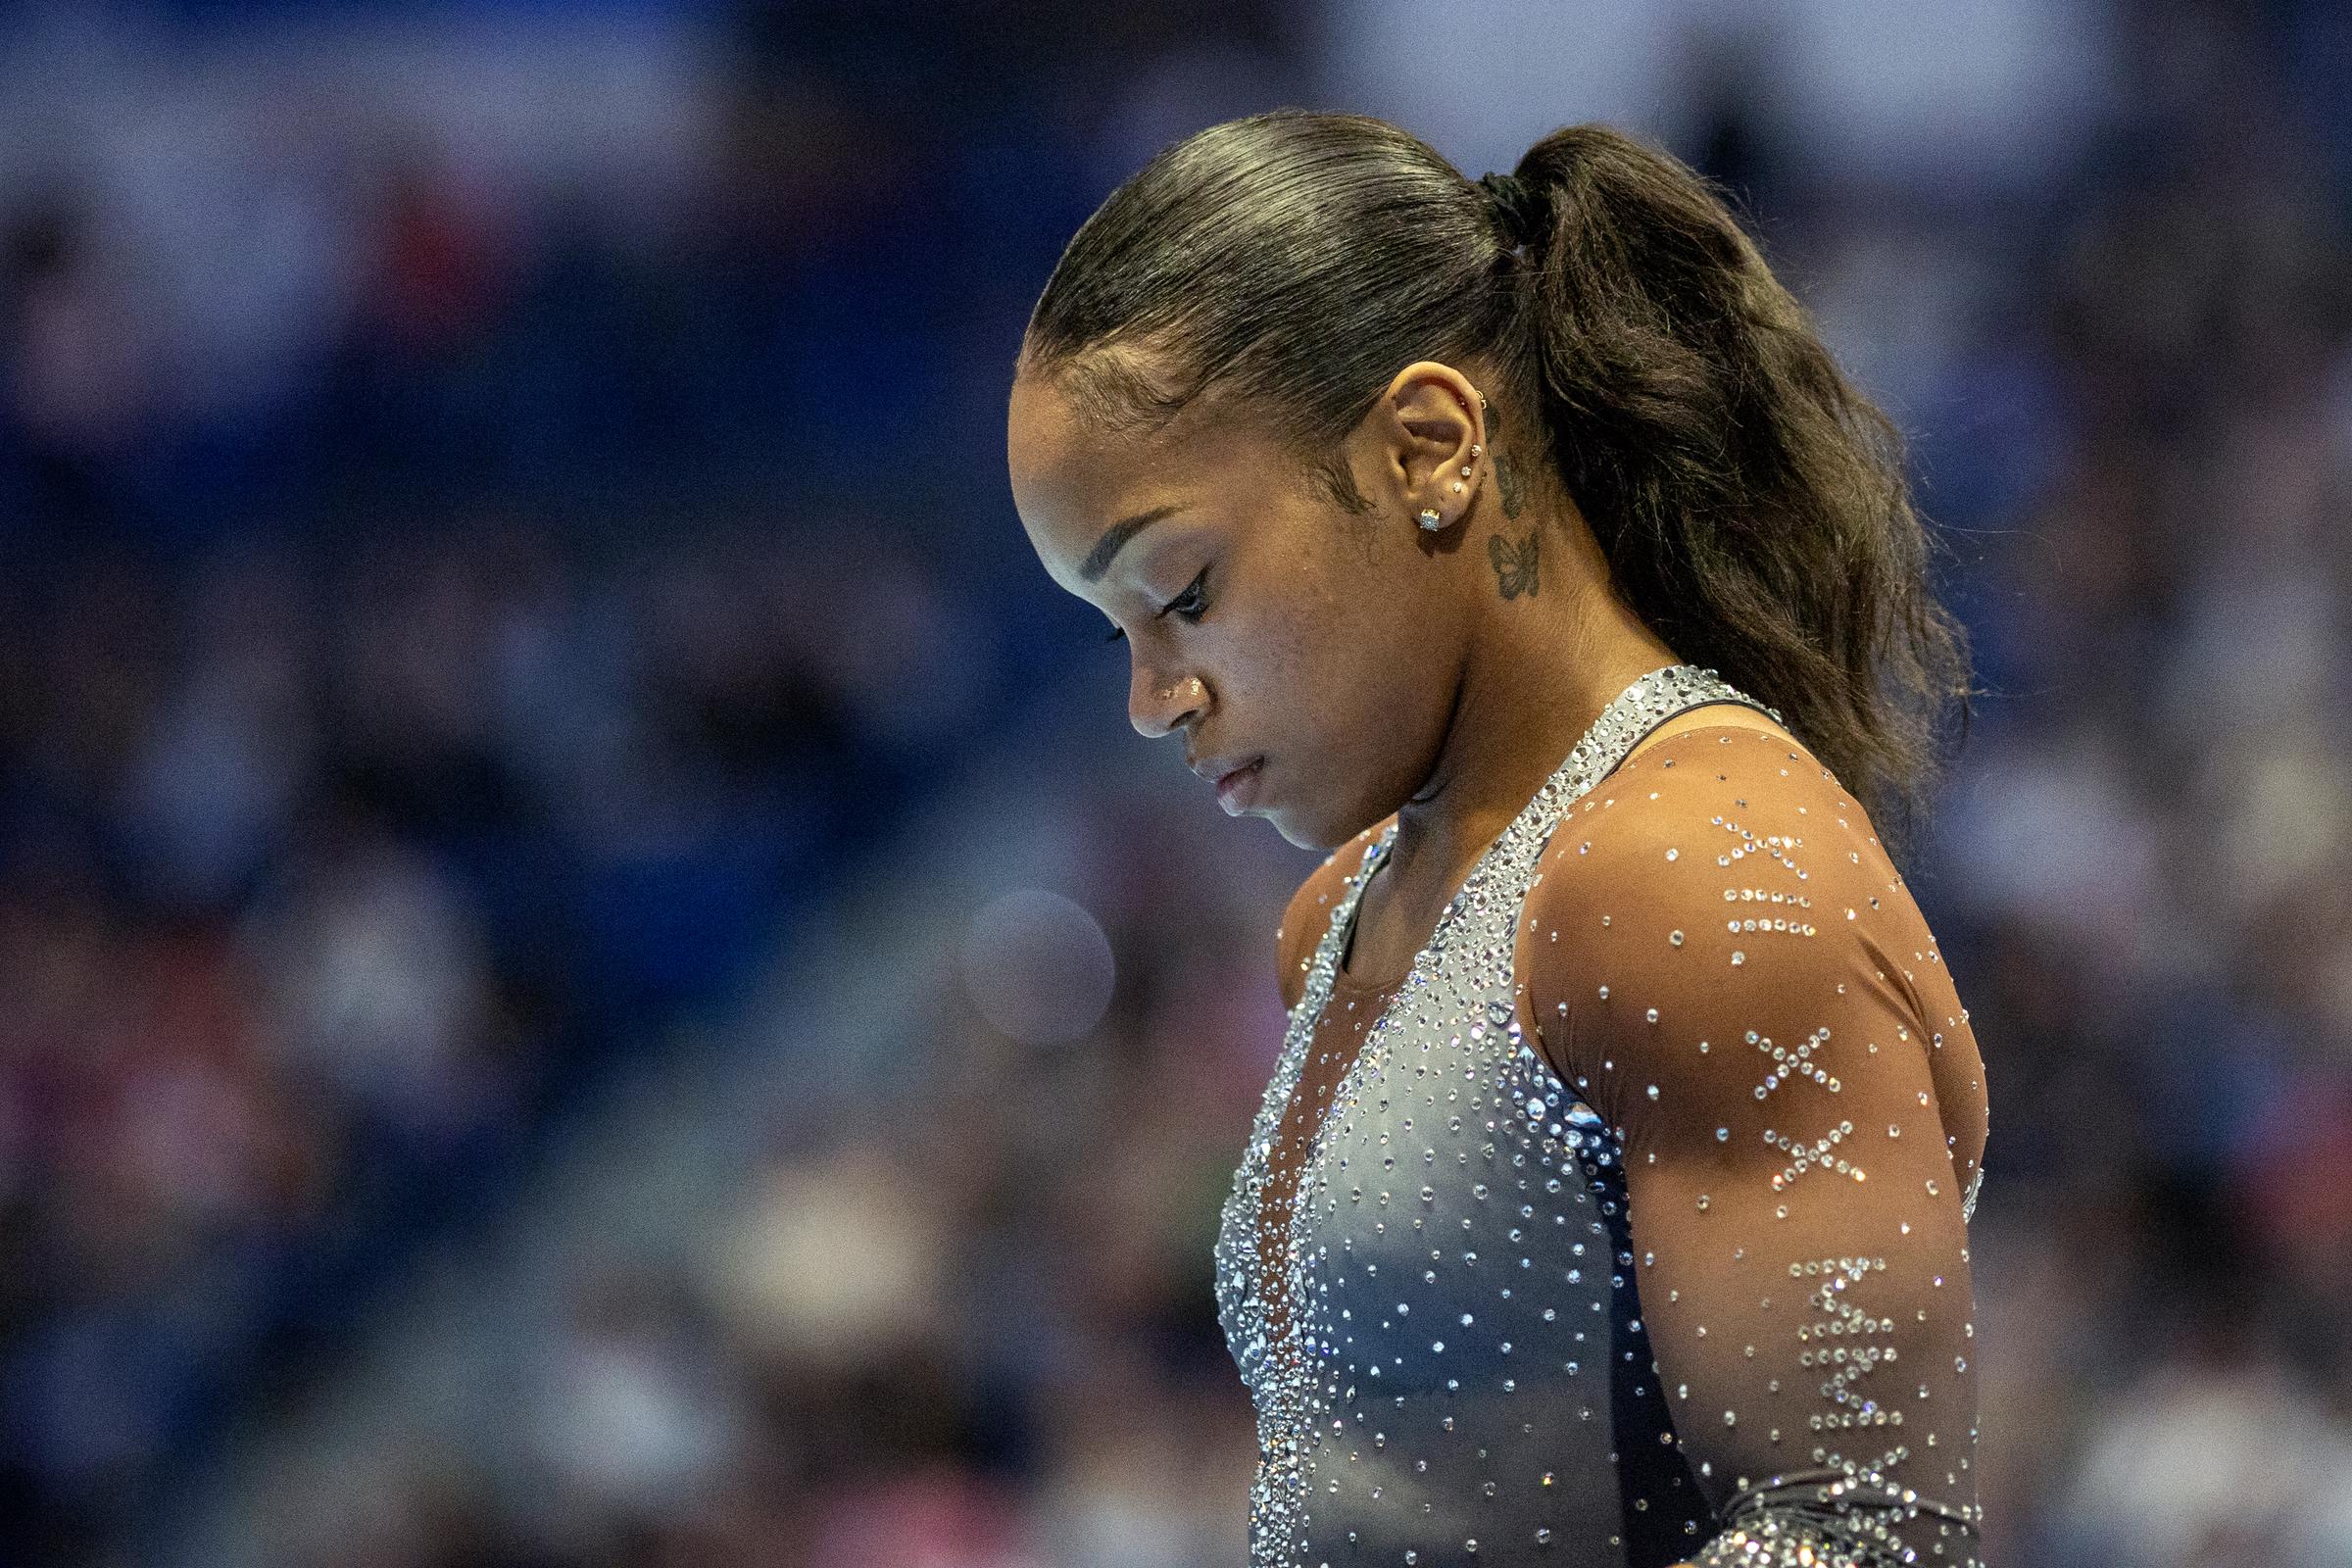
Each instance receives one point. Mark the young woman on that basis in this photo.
(1519, 538)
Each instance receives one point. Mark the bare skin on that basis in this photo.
(1378, 668)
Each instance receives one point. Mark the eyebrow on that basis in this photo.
(1098, 561)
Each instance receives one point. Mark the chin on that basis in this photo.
(1290, 836)
(1320, 837)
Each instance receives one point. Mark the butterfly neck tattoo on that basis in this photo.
(1515, 564)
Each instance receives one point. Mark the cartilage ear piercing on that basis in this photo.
(1465, 471)
(1475, 448)
(1430, 520)
(1457, 487)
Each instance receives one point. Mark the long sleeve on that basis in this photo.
(1726, 966)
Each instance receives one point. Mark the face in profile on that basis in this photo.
(1322, 639)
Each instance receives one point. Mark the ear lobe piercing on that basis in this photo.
(1430, 517)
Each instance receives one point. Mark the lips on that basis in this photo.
(1237, 789)
(1233, 775)
(1215, 769)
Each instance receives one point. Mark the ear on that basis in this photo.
(1429, 419)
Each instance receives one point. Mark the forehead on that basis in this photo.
(1072, 480)
(1051, 451)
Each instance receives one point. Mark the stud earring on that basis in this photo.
(1457, 487)
(1430, 520)
(1475, 448)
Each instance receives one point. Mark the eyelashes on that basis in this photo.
(1191, 590)
(1188, 612)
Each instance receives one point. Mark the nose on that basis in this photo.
(1155, 706)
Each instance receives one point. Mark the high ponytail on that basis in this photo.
(1751, 503)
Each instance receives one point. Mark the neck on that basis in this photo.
(1541, 670)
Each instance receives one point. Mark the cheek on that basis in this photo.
(1271, 665)
(1300, 692)
(1315, 656)
(1354, 642)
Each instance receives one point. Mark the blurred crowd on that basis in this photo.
(502, 526)
(321, 883)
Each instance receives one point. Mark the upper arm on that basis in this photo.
(1799, 1250)
(1309, 914)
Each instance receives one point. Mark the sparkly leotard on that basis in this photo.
(1711, 1305)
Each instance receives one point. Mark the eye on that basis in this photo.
(1190, 611)
(1198, 606)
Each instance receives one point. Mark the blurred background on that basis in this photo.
(591, 972)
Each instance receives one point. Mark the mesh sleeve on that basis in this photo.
(1726, 966)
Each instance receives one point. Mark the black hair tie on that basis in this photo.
(1522, 212)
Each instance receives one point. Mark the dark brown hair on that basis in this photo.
(1751, 504)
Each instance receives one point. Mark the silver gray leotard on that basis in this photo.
(1465, 1373)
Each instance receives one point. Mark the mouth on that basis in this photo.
(1236, 790)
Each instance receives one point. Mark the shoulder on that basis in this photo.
(1309, 914)
(1707, 795)
(1714, 864)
